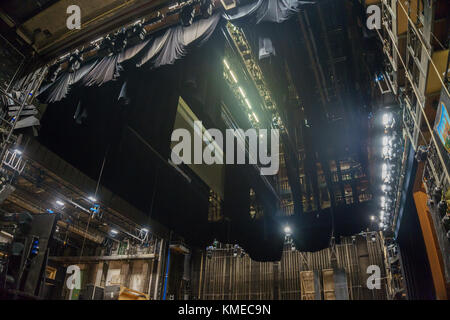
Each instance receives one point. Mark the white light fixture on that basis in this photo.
(114, 231)
(248, 103)
(92, 199)
(59, 203)
(242, 92)
(383, 201)
(17, 151)
(287, 230)
(386, 119)
(173, 6)
(233, 76)
(256, 118)
(381, 225)
(372, 218)
(226, 64)
(384, 171)
(144, 230)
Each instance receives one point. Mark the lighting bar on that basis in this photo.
(248, 103)
(233, 76)
(384, 171)
(242, 92)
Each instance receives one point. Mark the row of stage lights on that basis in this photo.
(237, 250)
(389, 154)
(251, 114)
(95, 212)
(114, 43)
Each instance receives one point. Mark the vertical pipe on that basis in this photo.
(200, 278)
(158, 269)
(166, 274)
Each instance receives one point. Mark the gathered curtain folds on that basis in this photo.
(165, 49)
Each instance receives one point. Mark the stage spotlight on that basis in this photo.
(209, 252)
(384, 172)
(75, 61)
(158, 17)
(235, 250)
(187, 15)
(386, 119)
(287, 230)
(206, 8)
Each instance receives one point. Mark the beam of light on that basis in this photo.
(256, 118)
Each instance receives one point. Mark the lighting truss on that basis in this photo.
(253, 69)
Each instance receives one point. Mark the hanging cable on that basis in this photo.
(95, 196)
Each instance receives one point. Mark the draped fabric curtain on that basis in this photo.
(60, 88)
(165, 49)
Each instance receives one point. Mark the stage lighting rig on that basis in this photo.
(137, 31)
(206, 8)
(75, 61)
(114, 44)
